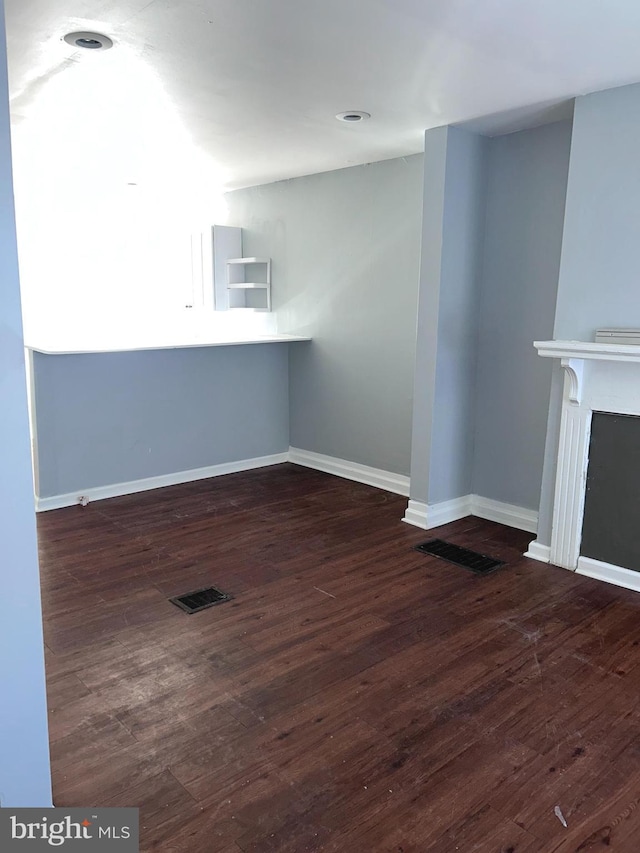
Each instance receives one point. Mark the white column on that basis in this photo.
(571, 475)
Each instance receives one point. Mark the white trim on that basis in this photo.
(503, 513)
(390, 482)
(447, 511)
(416, 514)
(609, 573)
(428, 516)
(574, 373)
(33, 426)
(587, 349)
(419, 514)
(538, 551)
(598, 377)
(117, 489)
(569, 493)
(51, 348)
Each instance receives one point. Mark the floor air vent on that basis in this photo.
(472, 560)
(200, 599)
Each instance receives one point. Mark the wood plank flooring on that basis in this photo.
(356, 695)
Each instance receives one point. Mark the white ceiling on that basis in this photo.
(256, 83)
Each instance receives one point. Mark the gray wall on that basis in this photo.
(435, 163)
(345, 247)
(453, 429)
(600, 263)
(491, 240)
(526, 190)
(113, 417)
(24, 749)
(453, 218)
(600, 268)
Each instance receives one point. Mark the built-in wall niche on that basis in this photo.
(224, 280)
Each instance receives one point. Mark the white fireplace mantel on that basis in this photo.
(602, 378)
(585, 350)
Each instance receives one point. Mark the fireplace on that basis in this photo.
(610, 529)
(601, 380)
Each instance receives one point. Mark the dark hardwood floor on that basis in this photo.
(355, 696)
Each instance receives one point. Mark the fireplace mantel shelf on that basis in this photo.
(586, 350)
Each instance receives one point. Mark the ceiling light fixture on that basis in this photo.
(89, 41)
(353, 116)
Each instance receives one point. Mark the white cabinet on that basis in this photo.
(222, 279)
(249, 283)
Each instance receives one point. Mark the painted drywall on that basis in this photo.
(24, 750)
(453, 429)
(600, 266)
(345, 247)
(453, 220)
(434, 172)
(106, 418)
(526, 191)
(600, 261)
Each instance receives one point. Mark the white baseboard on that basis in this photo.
(396, 483)
(609, 573)
(509, 514)
(428, 516)
(538, 551)
(416, 514)
(117, 489)
(447, 511)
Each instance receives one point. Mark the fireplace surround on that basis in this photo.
(601, 378)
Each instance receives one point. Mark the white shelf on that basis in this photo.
(248, 285)
(588, 350)
(210, 249)
(247, 276)
(223, 280)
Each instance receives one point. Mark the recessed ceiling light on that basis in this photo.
(353, 116)
(89, 41)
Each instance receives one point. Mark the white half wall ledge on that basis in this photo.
(99, 493)
(398, 484)
(428, 516)
(616, 575)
